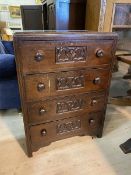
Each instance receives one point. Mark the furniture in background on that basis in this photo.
(54, 15)
(9, 94)
(112, 16)
(66, 14)
(123, 100)
(95, 12)
(64, 80)
(121, 24)
(32, 17)
(45, 18)
(108, 15)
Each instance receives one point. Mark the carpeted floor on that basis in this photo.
(77, 155)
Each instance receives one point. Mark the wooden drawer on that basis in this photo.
(65, 107)
(64, 83)
(86, 124)
(40, 56)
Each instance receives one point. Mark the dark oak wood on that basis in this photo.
(64, 80)
(46, 133)
(60, 54)
(54, 15)
(65, 83)
(65, 106)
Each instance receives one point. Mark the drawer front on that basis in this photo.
(65, 83)
(86, 124)
(40, 56)
(65, 107)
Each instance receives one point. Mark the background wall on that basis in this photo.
(5, 15)
(17, 2)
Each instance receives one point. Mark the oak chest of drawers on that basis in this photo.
(64, 80)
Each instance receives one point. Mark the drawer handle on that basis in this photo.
(97, 80)
(94, 102)
(39, 56)
(43, 132)
(99, 53)
(40, 86)
(42, 111)
(91, 121)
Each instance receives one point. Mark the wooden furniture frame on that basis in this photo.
(100, 14)
(64, 80)
(66, 14)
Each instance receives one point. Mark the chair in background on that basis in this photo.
(123, 100)
(9, 93)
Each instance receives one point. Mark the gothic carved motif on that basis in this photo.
(71, 54)
(69, 82)
(69, 105)
(68, 127)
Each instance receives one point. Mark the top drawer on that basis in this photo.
(46, 56)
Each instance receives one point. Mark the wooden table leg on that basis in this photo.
(120, 100)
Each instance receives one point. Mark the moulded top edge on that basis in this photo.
(50, 35)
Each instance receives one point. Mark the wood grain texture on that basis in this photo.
(50, 53)
(65, 83)
(92, 15)
(65, 106)
(84, 124)
(61, 100)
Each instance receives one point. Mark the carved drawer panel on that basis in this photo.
(40, 56)
(63, 83)
(64, 107)
(88, 123)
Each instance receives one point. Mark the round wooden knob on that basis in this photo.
(91, 121)
(40, 86)
(94, 102)
(99, 53)
(39, 56)
(42, 111)
(97, 80)
(43, 132)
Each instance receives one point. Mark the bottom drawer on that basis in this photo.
(43, 134)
